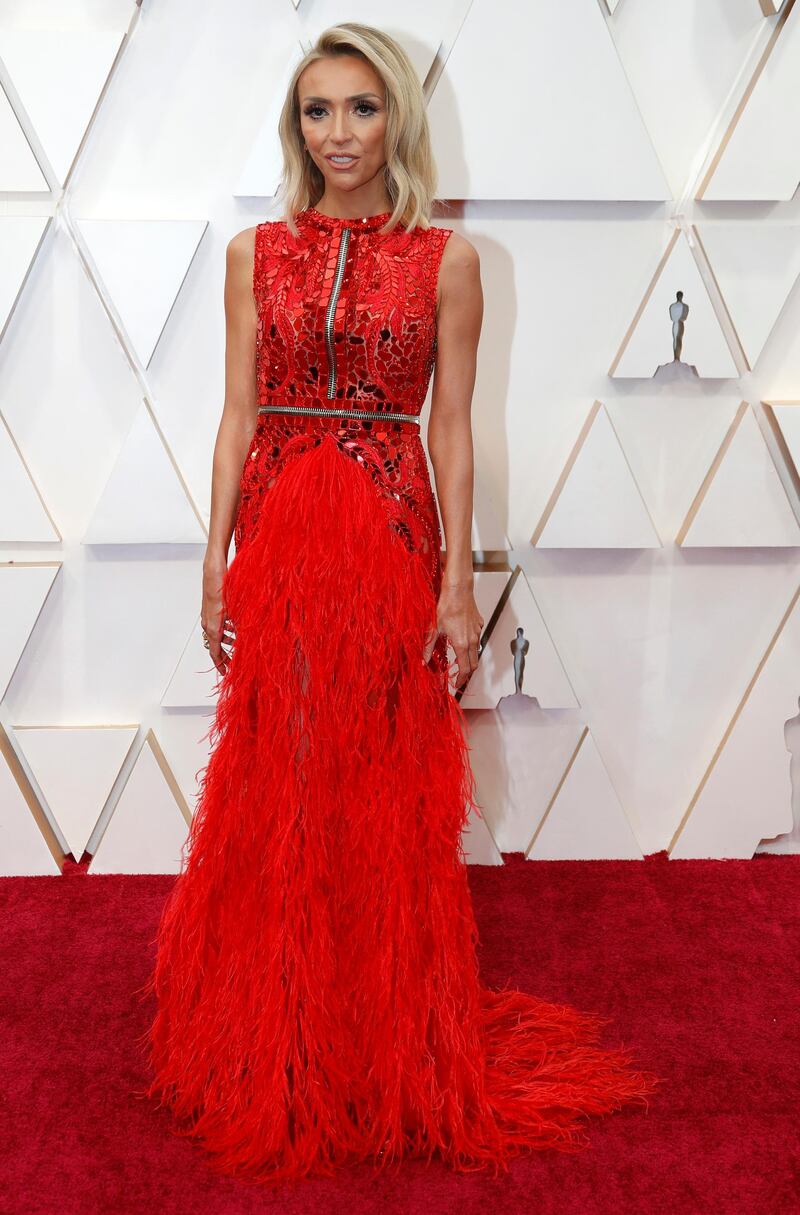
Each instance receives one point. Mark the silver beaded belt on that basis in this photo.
(376, 415)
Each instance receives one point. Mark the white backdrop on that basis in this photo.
(641, 529)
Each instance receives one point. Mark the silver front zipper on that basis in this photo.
(331, 310)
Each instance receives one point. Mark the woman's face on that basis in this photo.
(343, 112)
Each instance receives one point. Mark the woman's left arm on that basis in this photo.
(459, 319)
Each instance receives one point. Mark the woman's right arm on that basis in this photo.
(239, 417)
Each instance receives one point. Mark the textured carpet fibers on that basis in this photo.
(695, 962)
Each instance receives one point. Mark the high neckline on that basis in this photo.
(358, 223)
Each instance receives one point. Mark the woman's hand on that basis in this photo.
(213, 612)
(457, 615)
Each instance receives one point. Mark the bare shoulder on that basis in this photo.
(460, 264)
(459, 269)
(460, 251)
(241, 247)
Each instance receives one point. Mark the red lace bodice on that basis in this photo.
(347, 315)
(347, 319)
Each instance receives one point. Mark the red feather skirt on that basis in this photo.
(318, 996)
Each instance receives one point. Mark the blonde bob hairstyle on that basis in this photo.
(409, 171)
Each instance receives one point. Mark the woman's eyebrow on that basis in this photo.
(354, 97)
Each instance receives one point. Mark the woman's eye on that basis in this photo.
(363, 106)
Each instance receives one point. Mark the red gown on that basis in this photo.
(318, 996)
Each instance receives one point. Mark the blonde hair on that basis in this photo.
(409, 172)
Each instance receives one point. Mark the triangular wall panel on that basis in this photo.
(784, 418)
(148, 827)
(585, 820)
(542, 672)
(590, 141)
(23, 851)
(75, 768)
(194, 681)
(28, 846)
(745, 794)
(19, 170)
(518, 755)
(477, 842)
(742, 501)
(24, 586)
(596, 502)
(184, 739)
(21, 238)
(24, 518)
(59, 75)
(142, 265)
(756, 266)
(648, 344)
(126, 514)
(757, 157)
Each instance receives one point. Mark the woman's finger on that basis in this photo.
(430, 644)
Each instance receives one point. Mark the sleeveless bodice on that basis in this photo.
(346, 314)
(347, 320)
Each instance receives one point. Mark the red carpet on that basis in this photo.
(696, 962)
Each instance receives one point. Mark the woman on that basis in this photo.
(318, 992)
